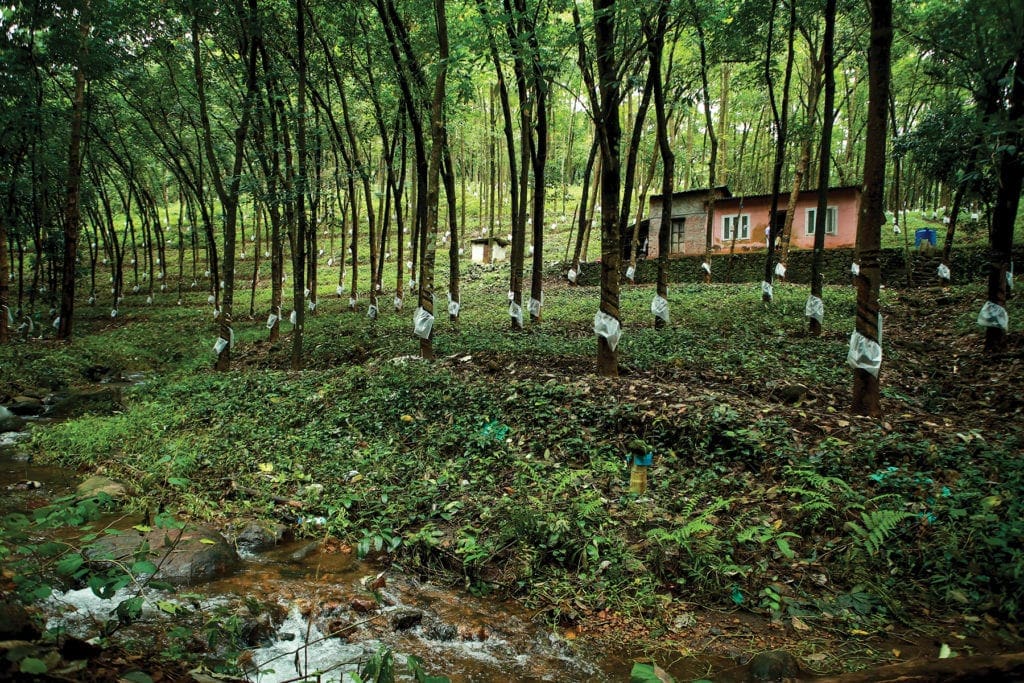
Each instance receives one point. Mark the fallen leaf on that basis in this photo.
(799, 624)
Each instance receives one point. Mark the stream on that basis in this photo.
(321, 611)
(310, 611)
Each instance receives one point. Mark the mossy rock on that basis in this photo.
(98, 485)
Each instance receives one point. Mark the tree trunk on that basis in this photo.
(804, 162)
(781, 119)
(72, 208)
(1011, 170)
(609, 133)
(824, 160)
(866, 400)
(655, 41)
(713, 141)
(302, 223)
(437, 136)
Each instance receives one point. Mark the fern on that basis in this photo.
(878, 526)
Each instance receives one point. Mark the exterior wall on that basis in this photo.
(480, 253)
(692, 206)
(688, 205)
(487, 252)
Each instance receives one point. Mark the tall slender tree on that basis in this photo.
(865, 343)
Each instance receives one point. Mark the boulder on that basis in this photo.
(183, 556)
(405, 618)
(102, 401)
(773, 665)
(9, 422)
(26, 406)
(15, 622)
(97, 485)
(257, 537)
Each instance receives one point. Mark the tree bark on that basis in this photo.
(1011, 171)
(72, 207)
(825, 159)
(609, 132)
(866, 399)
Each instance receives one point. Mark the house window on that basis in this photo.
(676, 236)
(733, 223)
(831, 221)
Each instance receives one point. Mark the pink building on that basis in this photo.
(747, 217)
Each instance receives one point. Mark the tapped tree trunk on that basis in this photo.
(609, 132)
(72, 208)
(825, 160)
(872, 211)
(437, 136)
(709, 229)
(1011, 170)
(655, 40)
(781, 119)
(299, 241)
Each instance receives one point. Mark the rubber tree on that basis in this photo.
(655, 35)
(824, 166)
(228, 189)
(865, 343)
(780, 119)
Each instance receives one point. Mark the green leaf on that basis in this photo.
(129, 610)
(167, 606)
(136, 677)
(70, 564)
(784, 548)
(207, 541)
(180, 482)
(143, 567)
(648, 673)
(143, 528)
(31, 665)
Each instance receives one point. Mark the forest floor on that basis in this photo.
(773, 518)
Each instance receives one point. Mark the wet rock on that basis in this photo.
(257, 537)
(96, 373)
(184, 557)
(439, 630)
(304, 552)
(405, 618)
(97, 485)
(473, 632)
(773, 665)
(9, 422)
(104, 400)
(258, 623)
(339, 627)
(362, 605)
(26, 406)
(15, 623)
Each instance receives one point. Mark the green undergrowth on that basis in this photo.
(521, 487)
(502, 466)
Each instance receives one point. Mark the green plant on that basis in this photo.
(877, 527)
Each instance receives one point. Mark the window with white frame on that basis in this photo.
(677, 236)
(831, 220)
(731, 224)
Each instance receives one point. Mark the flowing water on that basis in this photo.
(322, 611)
(311, 611)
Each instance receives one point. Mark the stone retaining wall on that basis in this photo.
(969, 265)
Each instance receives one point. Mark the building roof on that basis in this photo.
(725, 193)
(502, 242)
(722, 189)
(768, 195)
